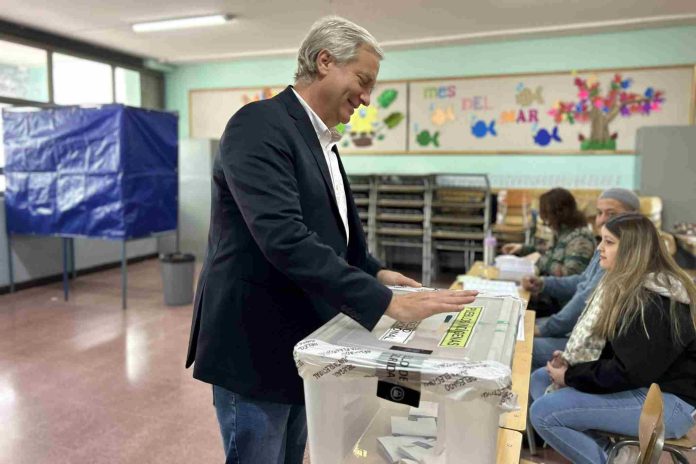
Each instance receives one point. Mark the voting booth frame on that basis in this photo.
(100, 172)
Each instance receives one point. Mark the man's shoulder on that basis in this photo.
(263, 115)
(261, 109)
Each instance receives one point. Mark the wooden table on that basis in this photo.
(521, 373)
(522, 359)
(509, 446)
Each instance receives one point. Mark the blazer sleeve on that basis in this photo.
(259, 170)
(372, 265)
(640, 356)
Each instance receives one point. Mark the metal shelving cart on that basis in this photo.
(460, 216)
(401, 202)
(438, 214)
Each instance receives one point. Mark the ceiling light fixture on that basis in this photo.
(182, 23)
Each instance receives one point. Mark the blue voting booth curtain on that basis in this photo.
(104, 172)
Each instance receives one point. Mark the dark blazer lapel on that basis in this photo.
(305, 127)
(353, 215)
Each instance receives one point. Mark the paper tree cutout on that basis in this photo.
(600, 110)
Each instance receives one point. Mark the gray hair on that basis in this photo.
(340, 37)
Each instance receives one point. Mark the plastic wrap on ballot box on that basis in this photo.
(359, 384)
(104, 172)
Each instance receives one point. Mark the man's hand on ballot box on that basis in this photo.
(418, 306)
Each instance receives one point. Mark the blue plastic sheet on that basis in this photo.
(104, 172)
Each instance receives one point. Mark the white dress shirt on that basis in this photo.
(327, 140)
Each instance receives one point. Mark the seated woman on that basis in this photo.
(640, 329)
(573, 243)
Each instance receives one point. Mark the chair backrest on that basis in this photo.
(670, 242)
(651, 427)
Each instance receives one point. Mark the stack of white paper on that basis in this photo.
(489, 287)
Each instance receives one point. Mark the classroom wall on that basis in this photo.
(651, 47)
(39, 257)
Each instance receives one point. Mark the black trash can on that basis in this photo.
(177, 278)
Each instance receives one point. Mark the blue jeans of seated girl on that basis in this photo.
(563, 418)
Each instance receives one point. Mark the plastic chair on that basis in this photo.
(677, 448)
(669, 241)
(651, 433)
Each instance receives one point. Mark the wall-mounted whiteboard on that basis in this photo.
(210, 109)
(382, 126)
(546, 112)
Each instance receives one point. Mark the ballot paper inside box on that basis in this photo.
(363, 389)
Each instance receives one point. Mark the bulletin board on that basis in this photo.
(579, 112)
(378, 128)
(556, 113)
(381, 127)
(210, 109)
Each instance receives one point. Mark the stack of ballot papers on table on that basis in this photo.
(413, 437)
(513, 267)
(489, 287)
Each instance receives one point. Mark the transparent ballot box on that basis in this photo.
(424, 392)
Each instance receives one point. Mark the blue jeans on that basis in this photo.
(564, 418)
(543, 349)
(260, 432)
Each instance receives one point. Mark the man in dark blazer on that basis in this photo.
(286, 250)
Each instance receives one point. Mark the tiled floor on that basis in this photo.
(86, 382)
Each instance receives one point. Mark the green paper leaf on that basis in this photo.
(387, 97)
(393, 120)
